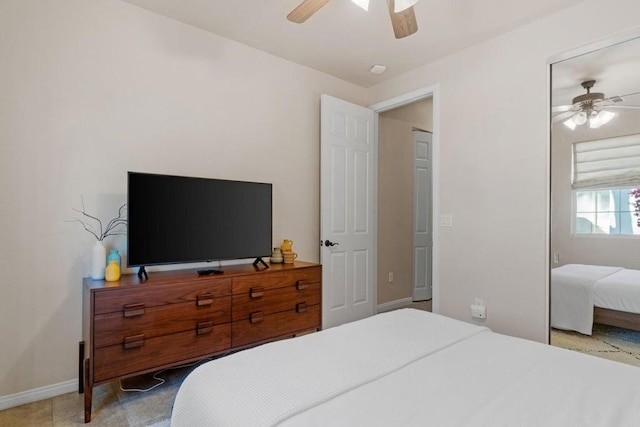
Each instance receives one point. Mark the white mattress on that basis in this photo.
(491, 380)
(577, 288)
(572, 295)
(267, 384)
(454, 374)
(619, 291)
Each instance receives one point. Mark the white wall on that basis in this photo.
(91, 89)
(493, 162)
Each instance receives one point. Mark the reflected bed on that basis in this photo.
(585, 294)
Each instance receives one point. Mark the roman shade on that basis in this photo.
(607, 163)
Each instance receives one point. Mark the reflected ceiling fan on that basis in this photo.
(403, 17)
(591, 107)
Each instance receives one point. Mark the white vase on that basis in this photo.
(98, 261)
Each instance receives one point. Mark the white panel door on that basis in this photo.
(422, 246)
(347, 197)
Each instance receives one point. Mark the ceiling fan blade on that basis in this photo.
(629, 94)
(305, 10)
(561, 108)
(562, 116)
(404, 23)
(627, 107)
(612, 100)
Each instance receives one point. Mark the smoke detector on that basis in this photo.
(378, 69)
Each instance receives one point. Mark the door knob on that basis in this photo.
(330, 243)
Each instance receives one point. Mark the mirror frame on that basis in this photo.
(604, 43)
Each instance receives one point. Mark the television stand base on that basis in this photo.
(142, 273)
(259, 260)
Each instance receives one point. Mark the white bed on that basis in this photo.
(577, 288)
(409, 368)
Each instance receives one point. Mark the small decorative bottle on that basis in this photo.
(114, 256)
(112, 273)
(276, 256)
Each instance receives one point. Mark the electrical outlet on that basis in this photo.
(556, 257)
(478, 311)
(391, 277)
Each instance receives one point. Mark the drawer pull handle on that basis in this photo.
(134, 341)
(204, 328)
(302, 284)
(301, 307)
(257, 317)
(132, 310)
(256, 292)
(204, 299)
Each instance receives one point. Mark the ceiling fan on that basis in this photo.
(403, 17)
(591, 107)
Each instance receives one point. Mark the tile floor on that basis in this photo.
(111, 406)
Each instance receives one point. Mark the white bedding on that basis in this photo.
(407, 368)
(572, 295)
(619, 291)
(495, 381)
(238, 390)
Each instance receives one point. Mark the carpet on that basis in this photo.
(607, 342)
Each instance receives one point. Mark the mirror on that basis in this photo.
(595, 203)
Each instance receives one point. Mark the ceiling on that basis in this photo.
(614, 68)
(345, 41)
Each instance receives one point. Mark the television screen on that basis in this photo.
(176, 219)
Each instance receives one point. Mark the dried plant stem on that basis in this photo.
(113, 227)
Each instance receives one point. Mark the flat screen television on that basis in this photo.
(178, 219)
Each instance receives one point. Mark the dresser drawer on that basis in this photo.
(145, 354)
(279, 279)
(272, 301)
(145, 295)
(261, 327)
(112, 328)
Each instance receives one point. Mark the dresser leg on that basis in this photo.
(81, 367)
(88, 391)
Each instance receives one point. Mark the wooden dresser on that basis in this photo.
(134, 326)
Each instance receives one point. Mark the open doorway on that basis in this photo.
(404, 245)
(334, 124)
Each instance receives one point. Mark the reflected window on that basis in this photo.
(607, 212)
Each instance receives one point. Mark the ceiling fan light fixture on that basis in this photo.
(601, 118)
(401, 5)
(569, 123)
(580, 118)
(363, 4)
(606, 116)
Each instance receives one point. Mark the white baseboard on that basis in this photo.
(393, 305)
(36, 394)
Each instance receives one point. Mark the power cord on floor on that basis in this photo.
(144, 390)
(160, 379)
